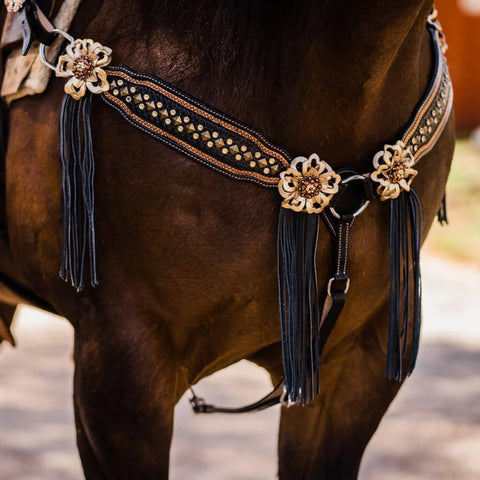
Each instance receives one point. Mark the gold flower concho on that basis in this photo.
(393, 170)
(308, 184)
(82, 63)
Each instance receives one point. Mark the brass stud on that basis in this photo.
(206, 136)
(248, 156)
(243, 148)
(266, 170)
(258, 154)
(116, 92)
(163, 113)
(219, 143)
(253, 164)
(271, 161)
(224, 151)
(274, 168)
(238, 157)
(177, 120)
(424, 139)
(186, 119)
(146, 97)
(113, 84)
(168, 121)
(434, 113)
(137, 98)
(229, 141)
(180, 128)
(215, 134)
(159, 104)
(141, 106)
(199, 128)
(234, 149)
(124, 91)
(128, 99)
(173, 112)
(423, 130)
(150, 106)
(190, 128)
(120, 83)
(196, 136)
(209, 144)
(262, 162)
(133, 89)
(155, 114)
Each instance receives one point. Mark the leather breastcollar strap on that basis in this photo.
(310, 188)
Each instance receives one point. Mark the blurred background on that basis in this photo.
(432, 430)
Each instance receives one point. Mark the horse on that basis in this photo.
(186, 256)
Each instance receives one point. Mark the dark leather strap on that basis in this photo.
(273, 398)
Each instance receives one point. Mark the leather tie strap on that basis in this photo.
(273, 398)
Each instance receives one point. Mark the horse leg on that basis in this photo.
(325, 440)
(124, 396)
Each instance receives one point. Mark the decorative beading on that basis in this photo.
(82, 63)
(308, 185)
(13, 6)
(393, 170)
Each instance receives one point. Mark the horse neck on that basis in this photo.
(340, 78)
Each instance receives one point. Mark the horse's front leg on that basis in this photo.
(325, 440)
(124, 395)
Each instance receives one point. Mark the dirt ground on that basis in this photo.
(432, 430)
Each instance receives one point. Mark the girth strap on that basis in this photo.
(273, 398)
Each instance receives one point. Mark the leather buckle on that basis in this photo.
(344, 289)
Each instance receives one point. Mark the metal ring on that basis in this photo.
(362, 207)
(43, 55)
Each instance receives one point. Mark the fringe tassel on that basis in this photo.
(299, 306)
(78, 166)
(442, 212)
(405, 281)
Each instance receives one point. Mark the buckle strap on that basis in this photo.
(273, 398)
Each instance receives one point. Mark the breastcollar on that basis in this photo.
(310, 189)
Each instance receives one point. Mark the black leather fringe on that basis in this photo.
(405, 282)
(442, 212)
(299, 304)
(78, 166)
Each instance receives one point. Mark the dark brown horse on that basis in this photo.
(187, 260)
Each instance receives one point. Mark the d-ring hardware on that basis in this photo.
(43, 55)
(364, 203)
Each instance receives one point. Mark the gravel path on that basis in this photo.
(432, 430)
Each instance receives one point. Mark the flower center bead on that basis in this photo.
(82, 67)
(309, 187)
(397, 172)
(14, 6)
